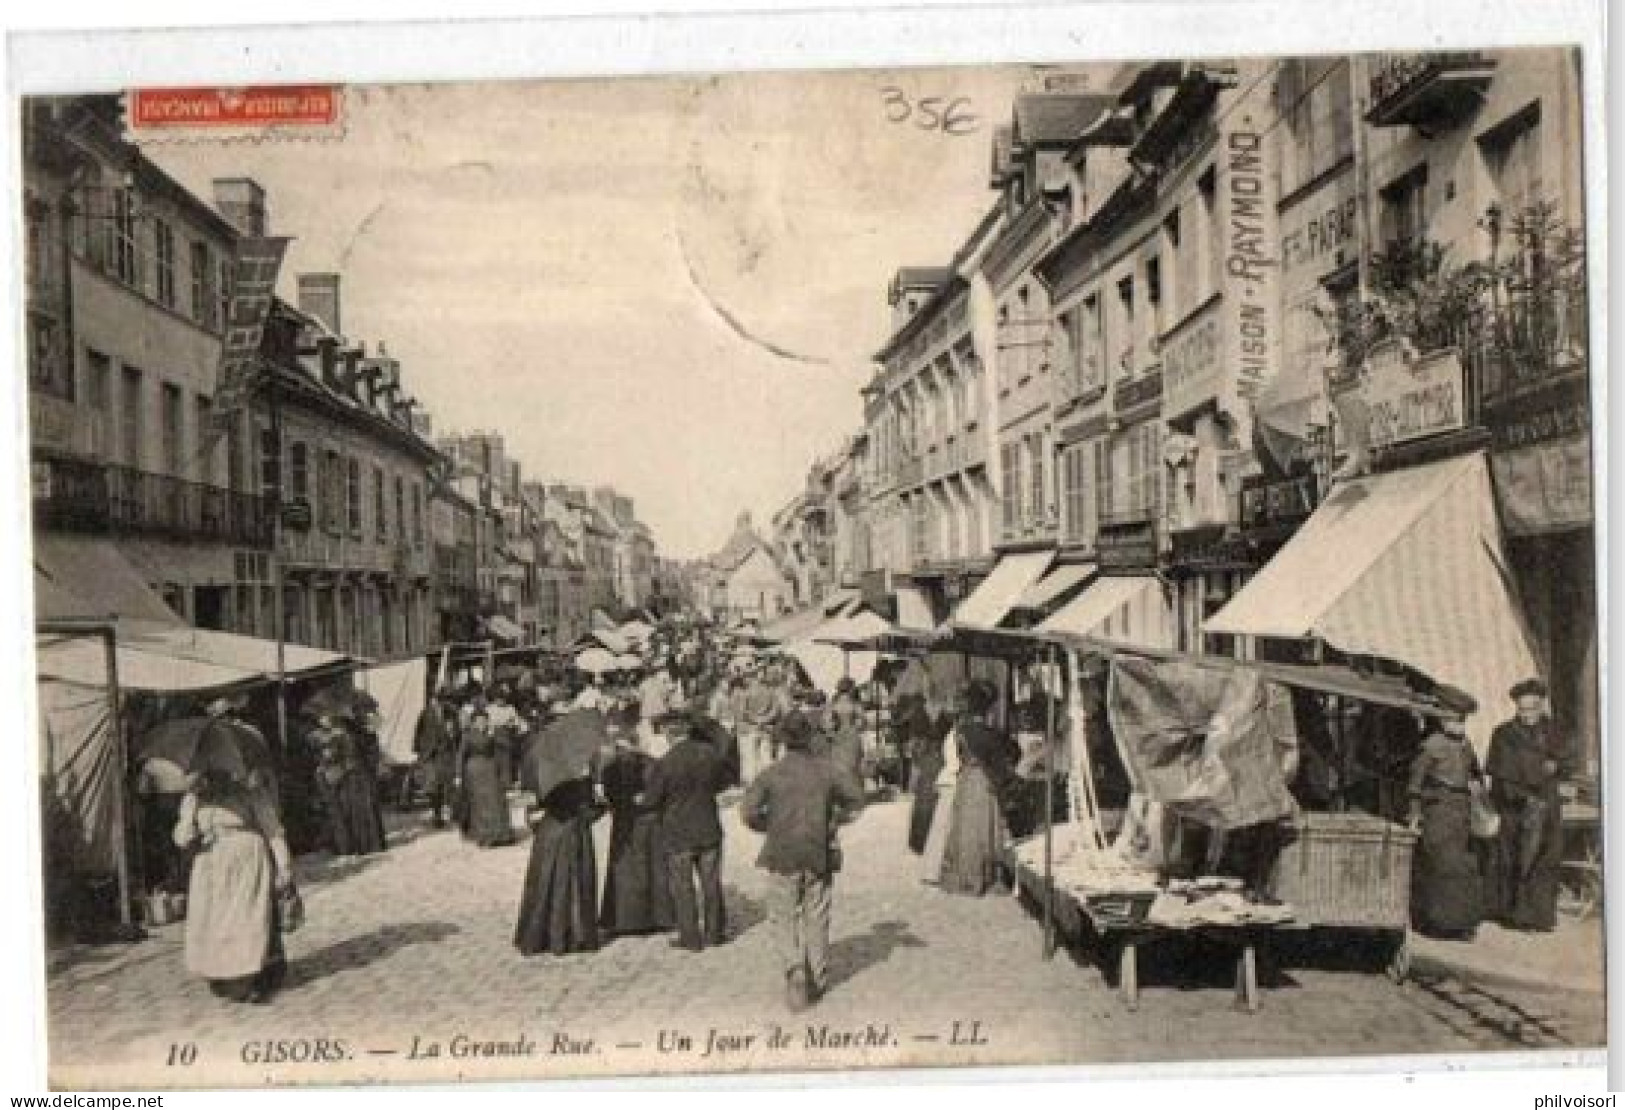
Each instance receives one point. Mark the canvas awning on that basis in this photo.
(1012, 577)
(840, 602)
(182, 660)
(1060, 581)
(1125, 609)
(913, 610)
(1405, 566)
(88, 578)
(794, 626)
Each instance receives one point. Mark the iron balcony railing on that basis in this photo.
(83, 496)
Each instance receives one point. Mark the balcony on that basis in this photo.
(1423, 90)
(1524, 344)
(77, 496)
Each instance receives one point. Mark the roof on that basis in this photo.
(1057, 119)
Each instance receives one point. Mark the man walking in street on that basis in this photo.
(435, 743)
(798, 803)
(683, 786)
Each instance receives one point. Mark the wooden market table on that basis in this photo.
(1075, 916)
(1245, 940)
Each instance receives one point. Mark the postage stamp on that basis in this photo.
(303, 112)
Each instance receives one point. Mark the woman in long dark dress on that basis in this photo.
(637, 895)
(922, 736)
(349, 794)
(557, 912)
(486, 795)
(976, 829)
(1446, 892)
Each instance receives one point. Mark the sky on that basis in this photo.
(671, 285)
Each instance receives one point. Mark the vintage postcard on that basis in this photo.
(742, 572)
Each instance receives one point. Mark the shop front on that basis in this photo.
(1540, 460)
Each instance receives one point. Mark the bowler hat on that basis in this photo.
(1528, 688)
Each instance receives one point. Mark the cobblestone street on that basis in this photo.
(414, 947)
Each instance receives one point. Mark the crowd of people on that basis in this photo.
(706, 726)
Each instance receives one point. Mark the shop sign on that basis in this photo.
(1127, 546)
(1191, 362)
(1408, 398)
(1250, 235)
(1546, 487)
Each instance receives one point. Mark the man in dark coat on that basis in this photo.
(799, 803)
(435, 742)
(683, 786)
(1527, 760)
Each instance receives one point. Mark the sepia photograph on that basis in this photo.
(814, 570)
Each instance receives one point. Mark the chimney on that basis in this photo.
(423, 425)
(319, 297)
(242, 202)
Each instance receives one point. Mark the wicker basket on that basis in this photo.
(1346, 870)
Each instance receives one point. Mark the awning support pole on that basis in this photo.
(1049, 811)
(278, 591)
(121, 839)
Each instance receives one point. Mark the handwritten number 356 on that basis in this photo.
(931, 113)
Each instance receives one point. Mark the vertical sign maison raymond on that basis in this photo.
(1250, 237)
(253, 285)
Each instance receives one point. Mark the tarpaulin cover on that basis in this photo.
(80, 760)
(1206, 742)
(1406, 566)
(400, 691)
(992, 601)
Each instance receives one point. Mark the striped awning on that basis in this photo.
(1405, 566)
(999, 592)
(1125, 609)
(1060, 581)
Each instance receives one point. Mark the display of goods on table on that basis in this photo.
(1213, 900)
(1346, 870)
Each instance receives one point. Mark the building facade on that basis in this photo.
(125, 285)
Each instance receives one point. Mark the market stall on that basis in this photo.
(1185, 799)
